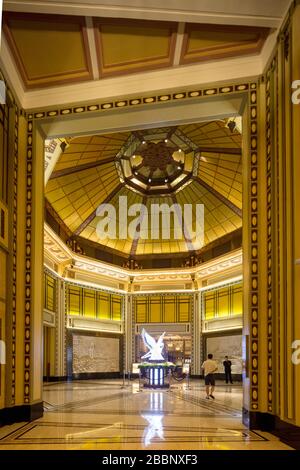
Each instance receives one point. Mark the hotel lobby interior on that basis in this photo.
(149, 202)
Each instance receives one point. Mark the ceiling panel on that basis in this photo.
(215, 180)
(207, 42)
(125, 46)
(47, 49)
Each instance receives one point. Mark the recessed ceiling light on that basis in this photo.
(179, 168)
(179, 150)
(149, 180)
(166, 140)
(133, 156)
(136, 173)
(166, 180)
(143, 142)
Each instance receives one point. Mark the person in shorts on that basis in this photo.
(210, 367)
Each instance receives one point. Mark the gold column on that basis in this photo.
(295, 72)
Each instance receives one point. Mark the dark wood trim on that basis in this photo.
(96, 375)
(76, 169)
(287, 432)
(222, 150)
(17, 414)
(53, 378)
(219, 196)
(86, 222)
(136, 240)
(52, 211)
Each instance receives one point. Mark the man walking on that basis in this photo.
(227, 368)
(210, 367)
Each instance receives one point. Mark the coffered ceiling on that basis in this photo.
(50, 50)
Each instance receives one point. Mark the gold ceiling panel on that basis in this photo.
(158, 241)
(83, 150)
(212, 134)
(224, 174)
(74, 197)
(210, 42)
(219, 218)
(215, 180)
(54, 49)
(48, 49)
(119, 244)
(126, 46)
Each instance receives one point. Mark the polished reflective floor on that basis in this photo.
(111, 414)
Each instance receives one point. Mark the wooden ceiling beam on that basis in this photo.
(219, 196)
(86, 222)
(85, 166)
(227, 151)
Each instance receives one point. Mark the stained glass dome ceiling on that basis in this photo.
(194, 163)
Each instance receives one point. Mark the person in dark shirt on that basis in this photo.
(227, 368)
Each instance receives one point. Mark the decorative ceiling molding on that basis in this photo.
(221, 264)
(104, 47)
(56, 250)
(267, 13)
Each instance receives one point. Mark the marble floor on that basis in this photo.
(110, 414)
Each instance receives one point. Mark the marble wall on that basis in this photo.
(231, 346)
(95, 354)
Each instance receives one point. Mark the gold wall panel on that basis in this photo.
(93, 303)
(164, 308)
(224, 301)
(50, 292)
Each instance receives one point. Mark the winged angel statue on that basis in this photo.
(155, 347)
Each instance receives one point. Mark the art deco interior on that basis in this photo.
(152, 105)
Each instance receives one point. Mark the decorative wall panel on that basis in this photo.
(95, 354)
(93, 303)
(165, 308)
(227, 345)
(223, 301)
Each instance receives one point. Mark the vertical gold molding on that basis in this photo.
(296, 202)
(37, 258)
(28, 261)
(254, 237)
(270, 244)
(21, 223)
(263, 249)
(14, 252)
(11, 330)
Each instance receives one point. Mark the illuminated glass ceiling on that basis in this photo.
(196, 163)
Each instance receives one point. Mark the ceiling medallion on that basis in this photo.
(158, 155)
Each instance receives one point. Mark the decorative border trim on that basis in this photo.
(145, 100)
(254, 290)
(28, 262)
(14, 258)
(269, 149)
